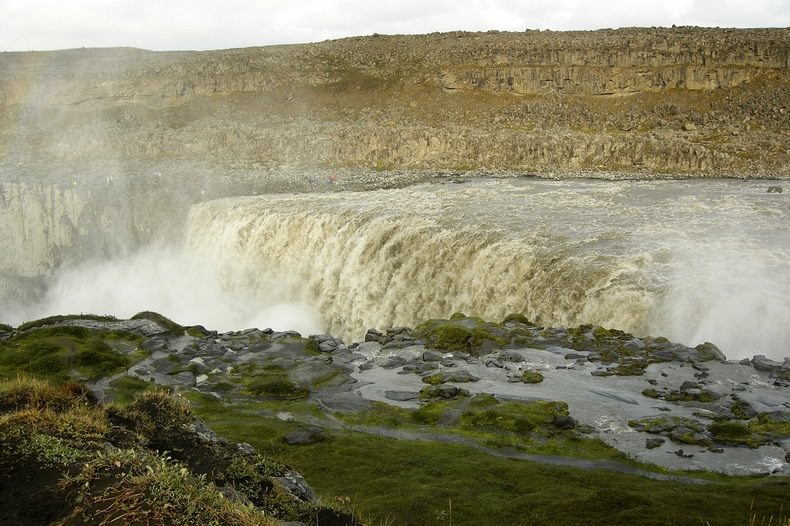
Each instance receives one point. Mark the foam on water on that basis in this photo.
(693, 261)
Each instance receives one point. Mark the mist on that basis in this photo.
(729, 293)
(183, 288)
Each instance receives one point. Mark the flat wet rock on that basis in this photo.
(655, 398)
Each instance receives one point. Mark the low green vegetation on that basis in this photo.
(65, 352)
(54, 452)
(140, 487)
(449, 471)
(163, 321)
(401, 482)
(126, 388)
(52, 320)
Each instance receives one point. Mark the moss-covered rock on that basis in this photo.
(161, 320)
(462, 334)
(531, 377)
(679, 429)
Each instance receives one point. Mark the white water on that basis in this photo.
(693, 261)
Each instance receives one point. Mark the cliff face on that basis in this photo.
(683, 101)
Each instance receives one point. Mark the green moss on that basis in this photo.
(434, 379)
(630, 369)
(461, 334)
(732, 433)
(139, 487)
(703, 396)
(52, 320)
(770, 427)
(380, 414)
(496, 420)
(517, 318)
(275, 387)
(167, 323)
(531, 377)
(651, 393)
(430, 413)
(516, 417)
(448, 337)
(311, 346)
(483, 400)
(123, 390)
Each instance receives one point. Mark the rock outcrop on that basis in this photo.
(679, 101)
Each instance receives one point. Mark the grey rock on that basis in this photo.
(296, 485)
(511, 356)
(707, 352)
(155, 344)
(366, 366)
(390, 362)
(444, 391)
(654, 442)
(368, 348)
(328, 343)
(184, 378)
(397, 344)
(461, 376)
(285, 334)
(372, 335)
(432, 356)
(575, 356)
(764, 364)
(401, 396)
(419, 368)
(243, 448)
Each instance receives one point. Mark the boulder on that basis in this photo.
(432, 356)
(509, 355)
(372, 335)
(461, 376)
(328, 344)
(443, 391)
(766, 365)
(708, 352)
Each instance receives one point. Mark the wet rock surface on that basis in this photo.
(647, 397)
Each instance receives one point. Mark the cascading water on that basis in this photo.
(701, 260)
(693, 261)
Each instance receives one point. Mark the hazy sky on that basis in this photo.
(216, 24)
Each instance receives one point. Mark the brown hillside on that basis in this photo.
(681, 101)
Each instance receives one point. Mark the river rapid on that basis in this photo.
(692, 260)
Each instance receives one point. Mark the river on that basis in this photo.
(692, 260)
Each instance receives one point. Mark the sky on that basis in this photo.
(219, 24)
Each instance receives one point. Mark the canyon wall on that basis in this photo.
(673, 101)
